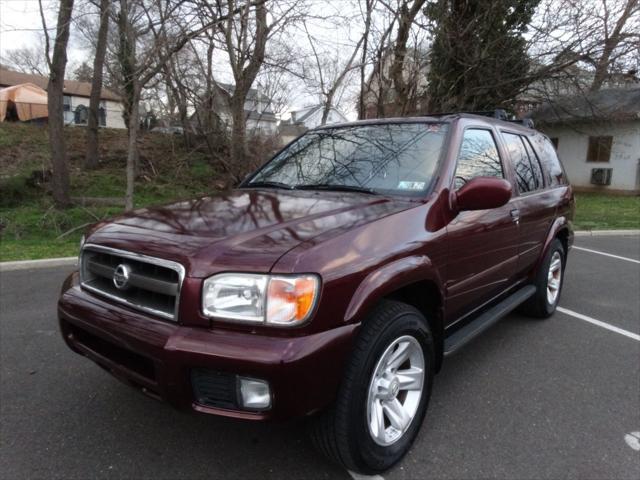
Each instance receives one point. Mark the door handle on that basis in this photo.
(515, 215)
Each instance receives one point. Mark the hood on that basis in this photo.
(242, 230)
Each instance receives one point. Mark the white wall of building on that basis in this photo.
(114, 111)
(262, 127)
(573, 143)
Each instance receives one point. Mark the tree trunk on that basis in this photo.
(55, 95)
(132, 152)
(92, 158)
(405, 21)
(238, 136)
(328, 105)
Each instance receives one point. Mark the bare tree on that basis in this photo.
(330, 73)
(92, 157)
(28, 60)
(245, 40)
(150, 34)
(408, 10)
(367, 14)
(620, 36)
(55, 93)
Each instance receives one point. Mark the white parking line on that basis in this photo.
(359, 476)
(607, 254)
(604, 325)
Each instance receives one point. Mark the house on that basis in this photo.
(597, 136)
(76, 98)
(259, 116)
(306, 119)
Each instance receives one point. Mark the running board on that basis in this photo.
(467, 333)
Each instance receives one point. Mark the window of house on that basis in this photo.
(81, 115)
(525, 174)
(599, 149)
(478, 157)
(66, 103)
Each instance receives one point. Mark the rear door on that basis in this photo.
(535, 206)
(483, 244)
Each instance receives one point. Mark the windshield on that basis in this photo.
(398, 158)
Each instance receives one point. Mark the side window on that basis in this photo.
(478, 157)
(535, 163)
(549, 158)
(525, 176)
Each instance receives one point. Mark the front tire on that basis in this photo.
(384, 394)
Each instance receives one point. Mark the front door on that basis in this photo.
(483, 244)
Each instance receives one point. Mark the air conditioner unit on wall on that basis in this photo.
(601, 176)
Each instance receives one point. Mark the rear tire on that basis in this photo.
(383, 396)
(548, 283)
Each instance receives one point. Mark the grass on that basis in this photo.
(30, 228)
(598, 211)
(34, 229)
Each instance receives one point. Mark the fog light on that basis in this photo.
(254, 394)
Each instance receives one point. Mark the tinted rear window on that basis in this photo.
(550, 162)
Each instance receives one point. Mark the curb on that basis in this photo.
(44, 263)
(607, 233)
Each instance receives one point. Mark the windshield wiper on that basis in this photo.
(338, 188)
(267, 184)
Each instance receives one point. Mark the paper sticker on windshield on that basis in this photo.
(410, 185)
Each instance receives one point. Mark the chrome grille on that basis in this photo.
(146, 283)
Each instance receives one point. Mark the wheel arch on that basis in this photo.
(411, 280)
(560, 229)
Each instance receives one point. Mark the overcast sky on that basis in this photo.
(21, 26)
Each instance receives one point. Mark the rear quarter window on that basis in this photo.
(553, 170)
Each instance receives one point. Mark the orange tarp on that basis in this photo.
(30, 101)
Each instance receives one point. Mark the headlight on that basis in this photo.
(271, 299)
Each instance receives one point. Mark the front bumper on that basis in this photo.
(158, 357)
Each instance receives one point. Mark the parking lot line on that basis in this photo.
(593, 321)
(607, 254)
(359, 476)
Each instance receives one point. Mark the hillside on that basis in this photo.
(31, 228)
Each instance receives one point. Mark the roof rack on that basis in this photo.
(498, 113)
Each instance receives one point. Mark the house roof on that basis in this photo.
(9, 78)
(616, 104)
(302, 115)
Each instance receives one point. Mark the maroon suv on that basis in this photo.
(333, 281)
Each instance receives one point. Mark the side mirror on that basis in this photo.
(482, 193)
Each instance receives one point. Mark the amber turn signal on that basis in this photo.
(290, 300)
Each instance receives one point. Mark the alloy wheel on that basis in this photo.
(395, 390)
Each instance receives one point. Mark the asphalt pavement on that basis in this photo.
(528, 399)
